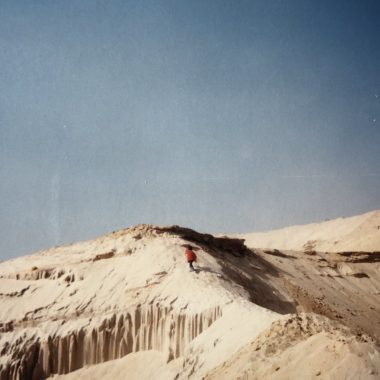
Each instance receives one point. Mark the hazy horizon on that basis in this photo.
(219, 116)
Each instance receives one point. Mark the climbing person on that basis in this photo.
(191, 257)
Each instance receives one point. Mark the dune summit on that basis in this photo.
(356, 233)
(126, 306)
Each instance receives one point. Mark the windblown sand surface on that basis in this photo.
(125, 306)
(357, 233)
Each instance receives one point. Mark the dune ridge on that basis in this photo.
(126, 305)
(359, 233)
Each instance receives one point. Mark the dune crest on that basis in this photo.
(125, 305)
(357, 233)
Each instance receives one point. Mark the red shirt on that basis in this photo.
(190, 255)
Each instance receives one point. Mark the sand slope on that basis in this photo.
(126, 306)
(305, 346)
(357, 233)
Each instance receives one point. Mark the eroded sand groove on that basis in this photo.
(151, 327)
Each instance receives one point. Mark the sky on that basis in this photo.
(222, 116)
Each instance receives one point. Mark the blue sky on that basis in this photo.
(223, 116)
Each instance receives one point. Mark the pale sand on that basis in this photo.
(125, 306)
(356, 233)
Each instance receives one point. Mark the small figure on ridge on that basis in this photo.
(190, 256)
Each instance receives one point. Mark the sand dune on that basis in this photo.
(357, 233)
(125, 305)
(305, 346)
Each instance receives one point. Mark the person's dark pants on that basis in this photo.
(191, 264)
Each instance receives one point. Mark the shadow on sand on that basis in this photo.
(254, 274)
(240, 265)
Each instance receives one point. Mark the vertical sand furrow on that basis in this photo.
(144, 328)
